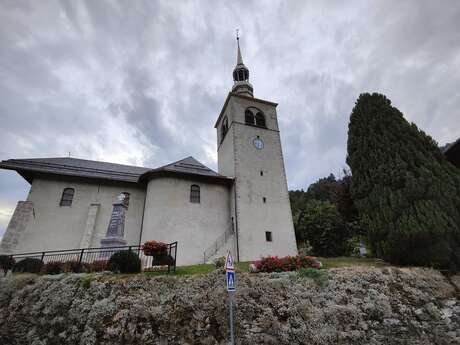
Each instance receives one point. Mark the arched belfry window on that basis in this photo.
(255, 120)
(195, 193)
(67, 197)
(249, 117)
(260, 119)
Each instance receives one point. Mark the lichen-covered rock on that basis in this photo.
(355, 306)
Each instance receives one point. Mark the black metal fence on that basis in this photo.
(94, 257)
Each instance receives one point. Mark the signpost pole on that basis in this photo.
(231, 288)
(230, 301)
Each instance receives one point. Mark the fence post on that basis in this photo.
(81, 256)
(43, 256)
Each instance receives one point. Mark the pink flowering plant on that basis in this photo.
(286, 263)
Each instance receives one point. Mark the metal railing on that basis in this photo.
(217, 244)
(87, 256)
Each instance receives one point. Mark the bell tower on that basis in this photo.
(249, 150)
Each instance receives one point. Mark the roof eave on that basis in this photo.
(219, 179)
(28, 174)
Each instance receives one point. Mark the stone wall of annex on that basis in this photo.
(50, 226)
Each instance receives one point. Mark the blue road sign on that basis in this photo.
(231, 281)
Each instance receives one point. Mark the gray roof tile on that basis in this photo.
(101, 170)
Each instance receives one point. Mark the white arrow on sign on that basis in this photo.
(229, 262)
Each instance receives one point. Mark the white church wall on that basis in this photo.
(54, 227)
(170, 216)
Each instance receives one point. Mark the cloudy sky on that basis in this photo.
(142, 82)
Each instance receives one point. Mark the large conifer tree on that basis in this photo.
(406, 193)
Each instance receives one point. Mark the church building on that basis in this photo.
(244, 207)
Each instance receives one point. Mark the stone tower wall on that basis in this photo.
(258, 174)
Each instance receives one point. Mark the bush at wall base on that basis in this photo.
(125, 261)
(75, 267)
(6, 263)
(53, 267)
(29, 265)
(162, 260)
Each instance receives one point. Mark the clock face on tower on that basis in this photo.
(258, 143)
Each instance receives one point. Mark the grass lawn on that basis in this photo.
(344, 261)
(244, 266)
(199, 269)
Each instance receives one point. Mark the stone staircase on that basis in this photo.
(220, 247)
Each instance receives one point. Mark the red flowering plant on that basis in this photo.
(158, 251)
(155, 248)
(286, 264)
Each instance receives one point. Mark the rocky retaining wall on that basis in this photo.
(353, 306)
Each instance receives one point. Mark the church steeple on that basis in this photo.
(241, 83)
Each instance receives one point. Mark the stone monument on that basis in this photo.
(116, 230)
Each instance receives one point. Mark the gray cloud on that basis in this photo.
(143, 82)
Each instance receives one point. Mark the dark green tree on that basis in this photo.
(322, 226)
(324, 189)
(406, 193)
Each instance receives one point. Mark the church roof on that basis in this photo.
(73, 167)
(185, 167)
(67, 166)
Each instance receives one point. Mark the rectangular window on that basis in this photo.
(268, 236)
(264, 199)
(261, 173)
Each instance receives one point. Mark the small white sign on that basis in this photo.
(229, 262)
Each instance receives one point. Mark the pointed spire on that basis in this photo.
(241, 73)
(239, 58)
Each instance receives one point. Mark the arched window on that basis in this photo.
(195, 193)
(224, 128)
(249, 117)
(67, 197)
(260, 119)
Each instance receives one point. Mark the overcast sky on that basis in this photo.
(142, 83)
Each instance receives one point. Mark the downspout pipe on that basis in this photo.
(236, 223)
(143, 212)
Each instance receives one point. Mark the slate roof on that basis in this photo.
(68, 166)
(185, 167)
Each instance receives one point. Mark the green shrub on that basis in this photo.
(124, 261)
(162, 260)
(219, 262)
(86, 282)
(320, 276)
(53, 267)
(29, 265)
(6, 263)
